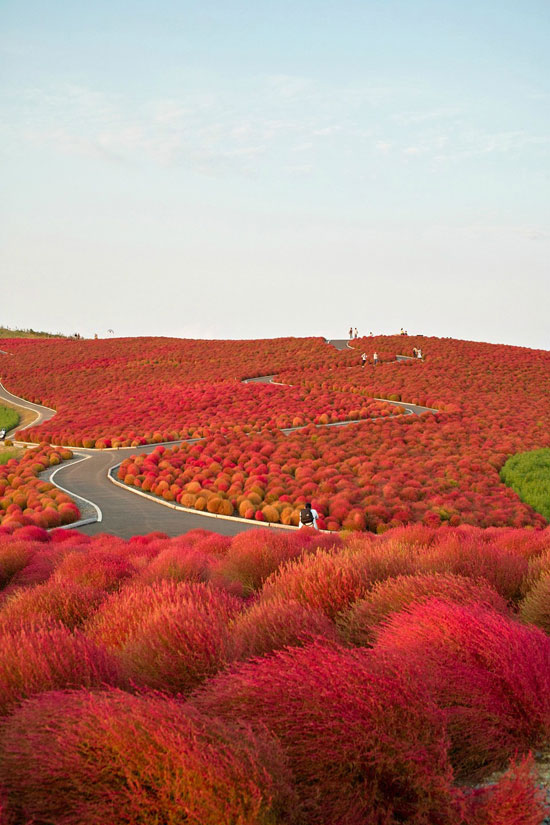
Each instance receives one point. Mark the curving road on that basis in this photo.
(124, 511)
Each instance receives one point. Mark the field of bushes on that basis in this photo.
(25, 498)
(438, 468)
(396, 671)
(275, 678)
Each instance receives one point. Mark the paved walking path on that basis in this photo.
(119, 510)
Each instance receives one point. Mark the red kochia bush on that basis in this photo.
(179, 562)
(40, 659)
(516, 799)
(112, 758)
(14, 555)
(255, 554)
(359, 623)
(490, 674)
(363, 746)
(330, 581)
(98, 566)
(50, 603)
(168, 636)
(275, 624)
(456, 552)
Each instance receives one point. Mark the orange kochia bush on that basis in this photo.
(365, 476)
(26, 499)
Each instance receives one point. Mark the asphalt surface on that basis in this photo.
(120, 511)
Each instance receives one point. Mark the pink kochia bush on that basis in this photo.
(466, 554)
(168, 636)
(362, 746)
(50, 603)
(489, 674)
(111, 758)
(35, 660)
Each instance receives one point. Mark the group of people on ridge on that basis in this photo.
(354, 334)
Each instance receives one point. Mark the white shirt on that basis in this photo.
(315, 515)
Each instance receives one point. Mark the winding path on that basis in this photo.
(122, 511)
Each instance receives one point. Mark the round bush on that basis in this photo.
(488, 673)
(363, 746)
(358, 624)
(177, 563)
(254, 555)
(50, 603)
(100, 567)
(168, 636)
(463, 555)
(276, 624)
(45, 658)
(516, 798)
(331, 581)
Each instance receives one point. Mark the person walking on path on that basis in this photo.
(375, 358)
(363, 359)
(308, 517)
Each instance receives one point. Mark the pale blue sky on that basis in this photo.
(246, 169)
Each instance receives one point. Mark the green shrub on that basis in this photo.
(528, 474)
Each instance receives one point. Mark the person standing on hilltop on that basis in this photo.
(356, 333)
(350, 333)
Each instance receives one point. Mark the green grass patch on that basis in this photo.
(9, 418)
(11, 452)
(528, 474)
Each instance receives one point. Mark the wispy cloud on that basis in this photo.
(263, 123)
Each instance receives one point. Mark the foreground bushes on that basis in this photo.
(361, 745)
(488, 673)
(41, 659)
(314, 678)
(114, 758)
